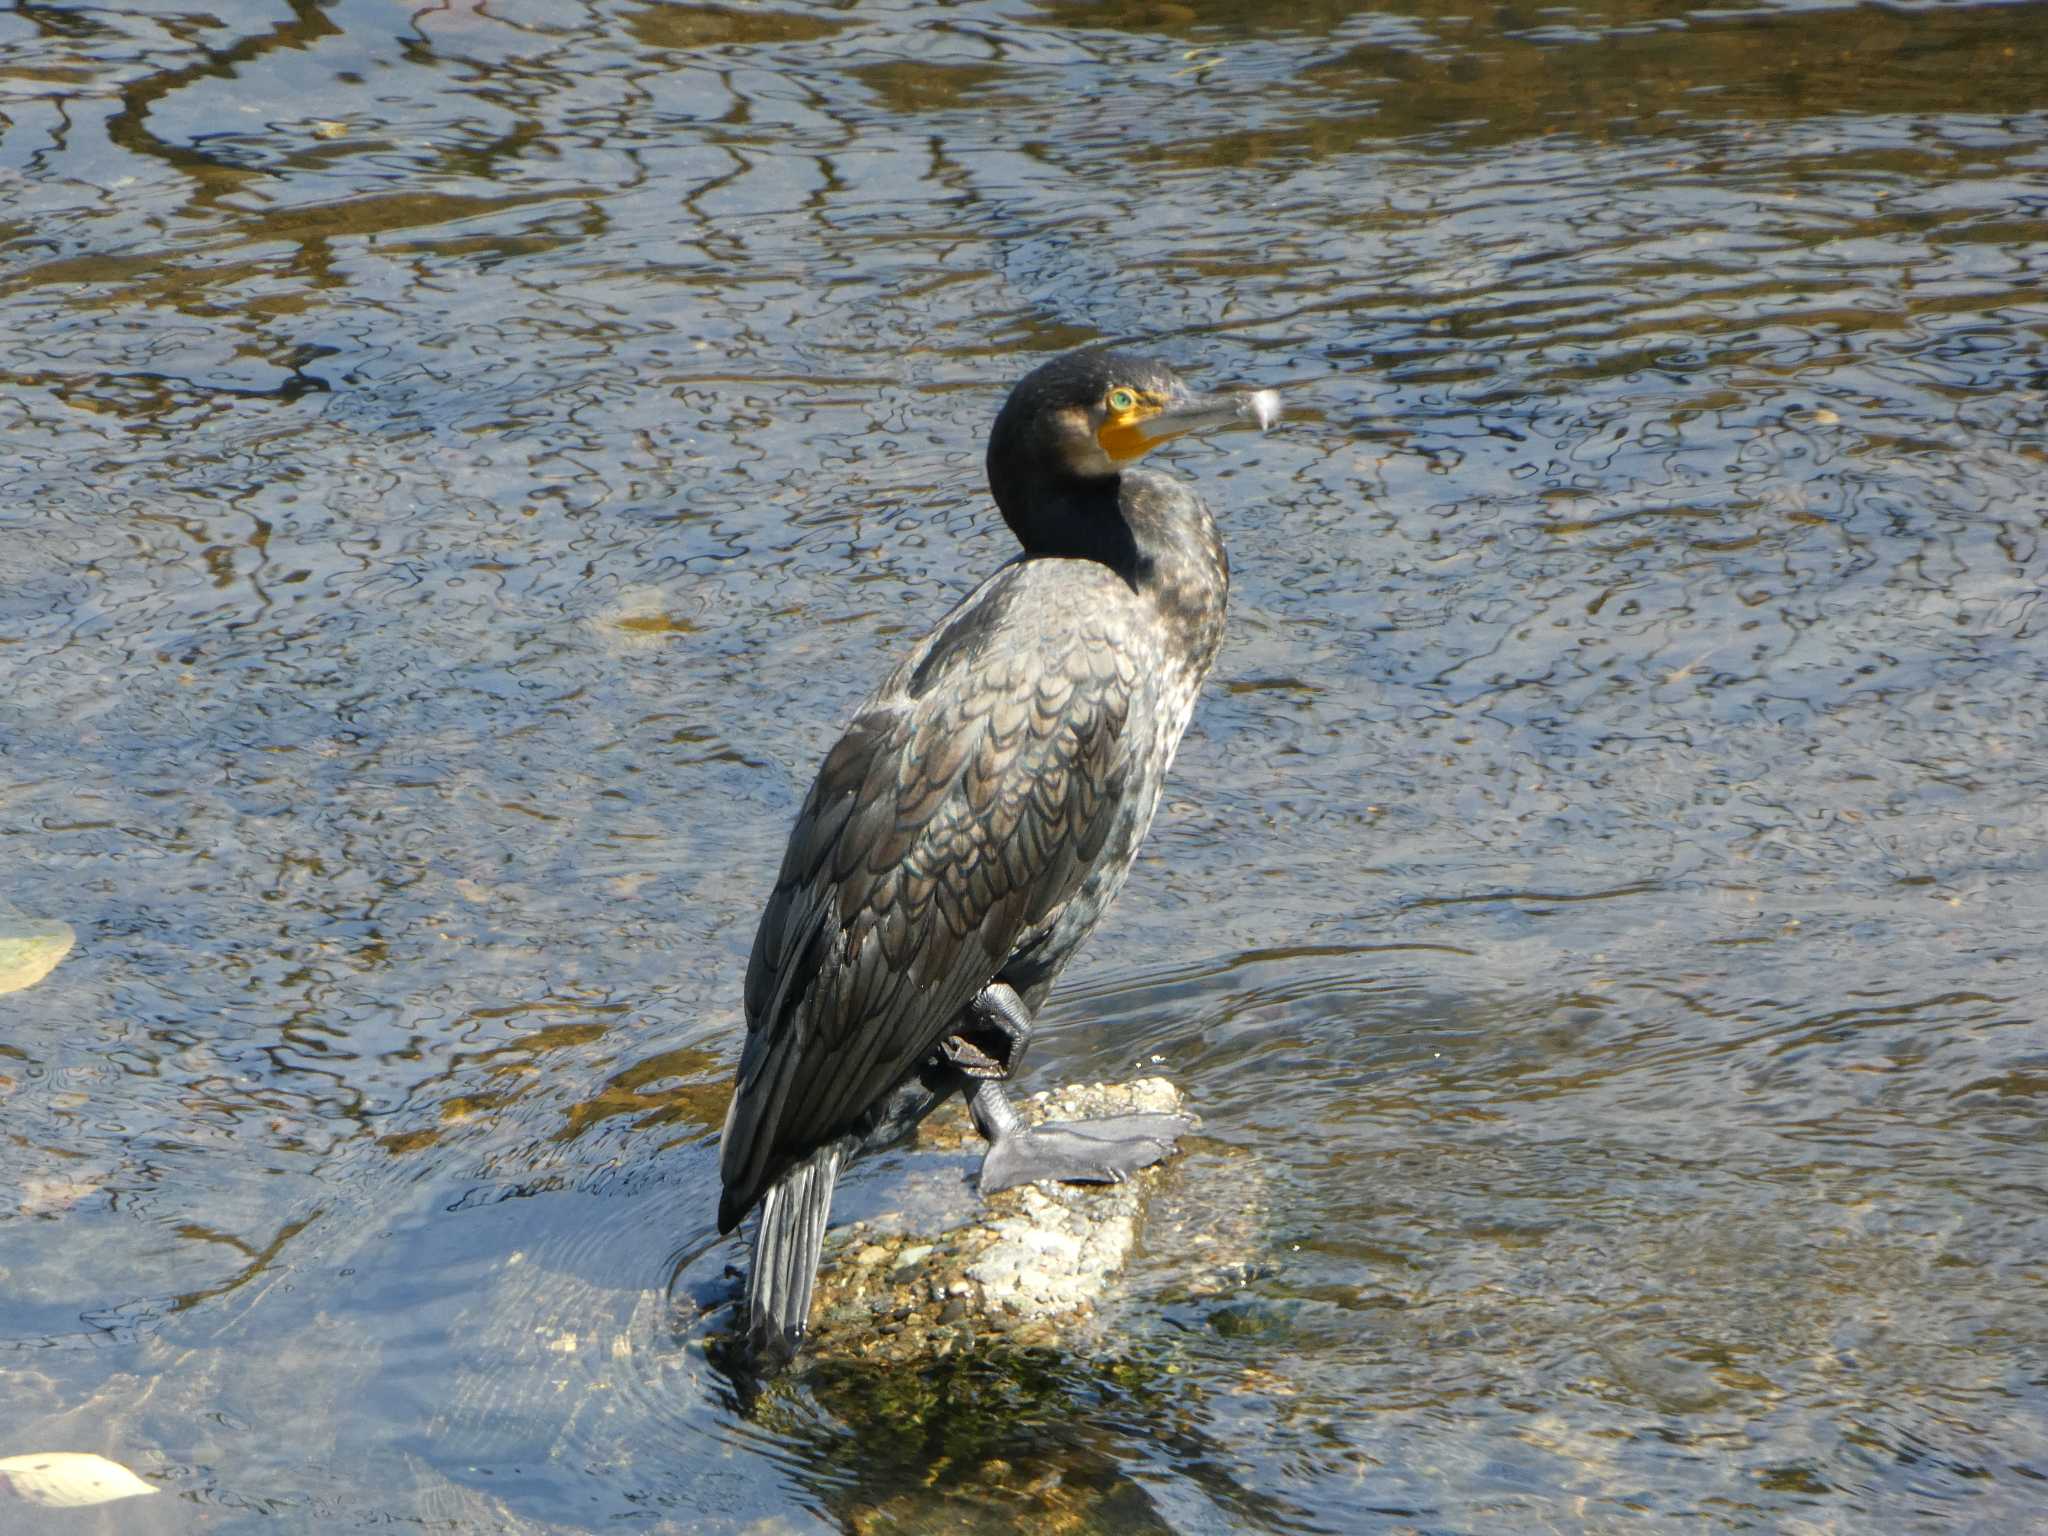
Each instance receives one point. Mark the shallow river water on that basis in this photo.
(458, 467)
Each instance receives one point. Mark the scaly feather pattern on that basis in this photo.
(972, 823)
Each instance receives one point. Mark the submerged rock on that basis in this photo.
(1016, 1267)
(68, 1479)
(30, 950)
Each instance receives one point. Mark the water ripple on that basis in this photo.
(460, 464)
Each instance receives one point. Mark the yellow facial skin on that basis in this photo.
(1122, 433)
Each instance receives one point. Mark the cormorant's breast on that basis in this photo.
(1183, 573)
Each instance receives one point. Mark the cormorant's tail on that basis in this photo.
(786, 1248)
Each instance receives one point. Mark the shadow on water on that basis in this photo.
(459, 465)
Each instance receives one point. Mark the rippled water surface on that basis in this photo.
(458, 466)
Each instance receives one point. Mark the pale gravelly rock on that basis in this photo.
(1022, 1264)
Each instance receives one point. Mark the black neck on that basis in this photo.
(1071, 517)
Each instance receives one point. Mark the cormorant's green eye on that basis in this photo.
(1122, 400)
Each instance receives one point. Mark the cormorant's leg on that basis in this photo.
(994, 1029)
(986, 1047)
(1105, 1151)
(987, 1042)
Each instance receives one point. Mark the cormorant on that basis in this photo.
(980, 813)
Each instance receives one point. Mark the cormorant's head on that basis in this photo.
(1075, 423)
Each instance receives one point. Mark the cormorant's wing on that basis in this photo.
(955, 818)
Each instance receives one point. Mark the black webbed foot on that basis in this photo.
(1105, 1151)
(985, 1048)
